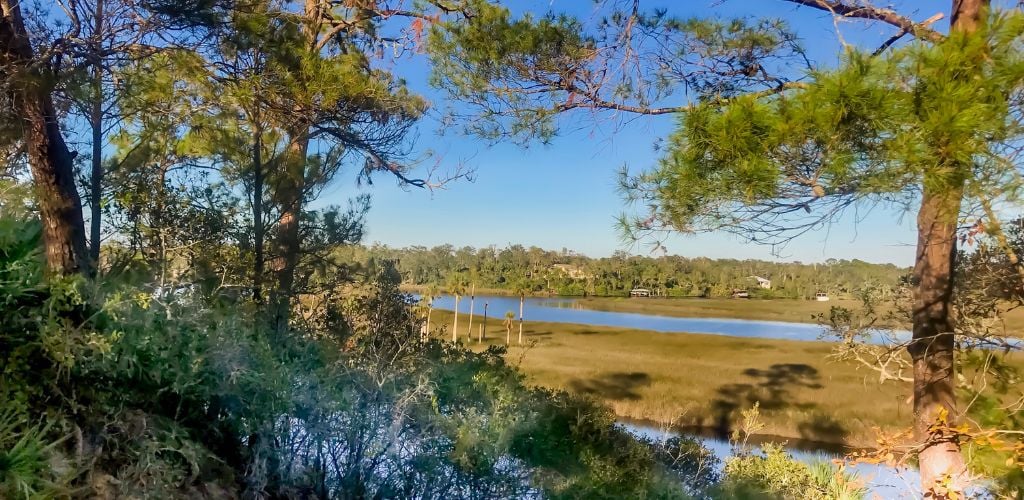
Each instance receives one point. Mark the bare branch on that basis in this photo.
(888, 16)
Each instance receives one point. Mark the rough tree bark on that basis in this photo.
(932, 348)
(289, 195)
(51, 163)
(288, 245)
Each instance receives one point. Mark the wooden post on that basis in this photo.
(455, 323)
(483, 327)
(522, 299)
(472, 301)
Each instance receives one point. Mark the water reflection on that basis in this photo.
(880, 479)
(561, 310)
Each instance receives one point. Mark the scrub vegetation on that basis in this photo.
(215, 332)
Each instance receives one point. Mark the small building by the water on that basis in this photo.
(639, 292)
(821, 297)
(740, 294)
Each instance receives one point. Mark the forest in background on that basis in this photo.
(202, 336)
(534, 270)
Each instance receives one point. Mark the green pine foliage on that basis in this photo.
(876, 129)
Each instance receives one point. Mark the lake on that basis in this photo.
(568, 310)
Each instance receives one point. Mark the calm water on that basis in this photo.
(881, 480)
(562, 310)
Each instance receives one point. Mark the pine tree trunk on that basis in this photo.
(932, 348)
(290, 192)
(51, 163)
(288, 246)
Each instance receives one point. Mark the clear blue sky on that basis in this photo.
(563, 194)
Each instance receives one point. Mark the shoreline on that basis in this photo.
(758, 439)
(754, 309)
(695, 380)
(770, 310)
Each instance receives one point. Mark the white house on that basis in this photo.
(763, 282)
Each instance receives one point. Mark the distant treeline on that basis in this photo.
(533, 270)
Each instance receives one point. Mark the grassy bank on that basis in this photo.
(802, 311)
(705, 380)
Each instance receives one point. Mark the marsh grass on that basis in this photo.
(803, 311)
(704, 381)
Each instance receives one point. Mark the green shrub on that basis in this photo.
(772, 473)
(29, 465)
(185, 395)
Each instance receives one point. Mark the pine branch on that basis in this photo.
(888, 16)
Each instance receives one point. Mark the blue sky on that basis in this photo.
(563, 194)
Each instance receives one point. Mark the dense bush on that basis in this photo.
(110, 391)
(772, 473)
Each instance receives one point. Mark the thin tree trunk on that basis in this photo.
(51, 163)
(96, 122)
(158, 222)
(483, 329)
(932, 347)
(455, 325)
(430, 309)
(258, 231)
(472, 303)
(522, 300)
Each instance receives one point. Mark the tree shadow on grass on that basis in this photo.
(772, 389)
(822, 428)
(592, 332)
(612, 385)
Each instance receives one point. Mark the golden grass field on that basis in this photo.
(704, 380)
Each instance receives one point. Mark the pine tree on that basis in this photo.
(769, 146)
